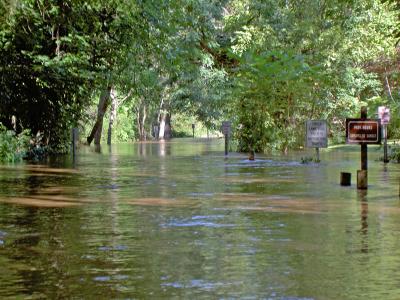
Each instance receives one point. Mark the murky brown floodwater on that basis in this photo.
(177, 220)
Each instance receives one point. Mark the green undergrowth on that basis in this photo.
(13, 147)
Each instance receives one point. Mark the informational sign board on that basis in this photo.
(363, 131)
(226, 127)
(317, 134)
(384, 114)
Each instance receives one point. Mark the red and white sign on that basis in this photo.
(363, 131)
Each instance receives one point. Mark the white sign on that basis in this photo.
(384, 114)
(317, 134)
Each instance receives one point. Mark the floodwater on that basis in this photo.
(177, 220)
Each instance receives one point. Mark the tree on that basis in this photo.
(303, 61)
(53, 54)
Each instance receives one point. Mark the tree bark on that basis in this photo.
(165, 126)
(143, 122)
(388, 88)
(141, 115)
(113, 115)
(101, 110)
(14, 122)
(162, 126)
(113, 111)
(167, 129)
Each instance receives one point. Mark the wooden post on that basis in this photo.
(317, 152)
(251, 154)
(362, 179)
(193, 129)
(364, 156)
(362, 175)
(364, 146)
(226, 130)
(345, 179)
(74, 141)
(226, 144)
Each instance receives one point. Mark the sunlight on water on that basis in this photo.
(159, 202)
(41, 201)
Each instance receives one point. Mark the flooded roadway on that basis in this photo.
(178, 221)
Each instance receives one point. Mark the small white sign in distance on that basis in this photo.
(226, 127)
(317, 134)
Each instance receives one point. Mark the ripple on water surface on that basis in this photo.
(198, 221)
(190, 224)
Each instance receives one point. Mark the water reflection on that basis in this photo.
(164, 148)
(179, 220)
(38, 185)
(362, 198)
(97, 148)
(142, 149)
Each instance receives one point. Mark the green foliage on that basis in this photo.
(299, 62)
(394, 155)
(201, 94)
(393, 127)
(252, 125)
(198, 79)
(13, 147)
(182, 126)
(124, 129)
(52, 56)
(268, 85)
(267, 65)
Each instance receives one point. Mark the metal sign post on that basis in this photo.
(384, 115)
(75, 133)
(226, 130)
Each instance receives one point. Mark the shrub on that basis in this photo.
(395, 153)
(13, 147)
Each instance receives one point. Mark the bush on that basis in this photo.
(13, 147)
(309, 159)
(394, 153)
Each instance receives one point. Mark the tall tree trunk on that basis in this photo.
(165, 126)
(113, 115)
(388, 88)
(101, 110)
(14, 123)
(160, 122)
(162, 126)
(167, 129)
(141, 115)
(142, 123)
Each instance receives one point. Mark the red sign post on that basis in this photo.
(363, 131)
